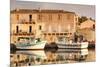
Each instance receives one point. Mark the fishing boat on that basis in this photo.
(31, 44)
(63, 43)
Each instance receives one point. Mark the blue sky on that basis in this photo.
(82, 10)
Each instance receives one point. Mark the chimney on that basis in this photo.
(17, 9)
(39, 9)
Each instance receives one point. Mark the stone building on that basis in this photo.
(48, 24)
(87, 29)
(87, 24)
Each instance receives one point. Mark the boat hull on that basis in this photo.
(32, 47)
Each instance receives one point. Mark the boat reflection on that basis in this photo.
(37, 57)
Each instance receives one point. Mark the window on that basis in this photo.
(40, 27)
(30, 29)
(30, 18)
(93, 26)
(17, 29)
(59, 16)
(50, 17)
(17, 17)
(68, 16)
(76, 19)
(39, 17)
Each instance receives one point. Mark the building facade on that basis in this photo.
(47, 24)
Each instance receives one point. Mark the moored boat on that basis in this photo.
(64, 43)
(31, 44)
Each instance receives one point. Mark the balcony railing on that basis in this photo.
(22, 34)
(26, 22)
(57, 33)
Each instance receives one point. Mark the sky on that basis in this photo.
(81, 10)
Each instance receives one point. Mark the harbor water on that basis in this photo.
(59, 56)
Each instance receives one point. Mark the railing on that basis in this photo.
(22, 34)
(26, 22)
(57, 33)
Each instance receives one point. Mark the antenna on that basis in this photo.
(39, 8)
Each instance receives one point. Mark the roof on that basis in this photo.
(39, 11)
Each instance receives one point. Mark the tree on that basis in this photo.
(82, 19)
(92, 19)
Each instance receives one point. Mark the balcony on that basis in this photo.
(58, 33)
(23, 34)
(26, 22)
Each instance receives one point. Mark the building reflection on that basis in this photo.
(37, 57)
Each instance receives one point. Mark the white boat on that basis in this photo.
(32, 44)
(63, 43)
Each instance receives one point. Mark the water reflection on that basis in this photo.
(37, 57)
